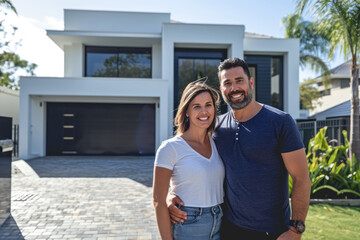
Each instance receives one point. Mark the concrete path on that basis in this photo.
(81, 198)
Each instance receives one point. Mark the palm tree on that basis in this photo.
(8, 4)
(313, 46)
(340, 21)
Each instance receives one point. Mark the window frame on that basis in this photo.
(119, 50)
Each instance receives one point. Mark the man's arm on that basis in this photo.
(296, 164)
(176, 215)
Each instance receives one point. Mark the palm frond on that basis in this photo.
(8, 4)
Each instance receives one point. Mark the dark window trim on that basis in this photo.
(119, 50)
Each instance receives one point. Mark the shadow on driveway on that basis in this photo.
(10, 230)
(139, 169)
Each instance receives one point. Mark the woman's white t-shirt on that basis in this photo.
(197, 180)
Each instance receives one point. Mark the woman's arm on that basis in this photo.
(160, 191)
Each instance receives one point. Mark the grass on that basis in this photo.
(332, 222)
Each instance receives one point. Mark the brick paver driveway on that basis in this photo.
(81, 198)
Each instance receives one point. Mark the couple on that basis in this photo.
(247, 156)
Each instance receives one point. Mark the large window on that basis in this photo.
(118, 62)
(192, 64)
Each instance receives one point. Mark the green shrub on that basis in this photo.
(331, 173)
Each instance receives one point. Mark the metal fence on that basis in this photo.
(309, 127)
(15, 138)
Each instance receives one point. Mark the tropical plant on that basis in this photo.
(331, 171)
(340, 22)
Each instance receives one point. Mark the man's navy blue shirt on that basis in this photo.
(256, 180)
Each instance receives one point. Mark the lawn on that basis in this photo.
(332, 222)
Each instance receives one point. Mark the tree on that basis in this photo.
(8, 4)
(10, 62)
(340, 21)
(309, 94)
(313, 46)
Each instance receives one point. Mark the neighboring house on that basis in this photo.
(9, 104)
(335, 100)
(124, 73)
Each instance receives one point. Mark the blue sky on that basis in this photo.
(258, 16)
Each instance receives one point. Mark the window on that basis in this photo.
(193, 64)
(276, 82)
(252, 70)
(326, 92)
(117, 62)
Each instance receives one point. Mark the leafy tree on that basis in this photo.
(10, 63)
(339, 20)
(313, 46)
(309, 94)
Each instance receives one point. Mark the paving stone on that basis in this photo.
(82, 198)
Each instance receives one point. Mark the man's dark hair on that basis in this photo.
(231, 63)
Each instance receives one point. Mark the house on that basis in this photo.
(9, 104)
(124, 73)
(335, 100)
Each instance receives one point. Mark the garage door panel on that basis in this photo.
(100, 129)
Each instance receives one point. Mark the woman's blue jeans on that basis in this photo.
(201, 224)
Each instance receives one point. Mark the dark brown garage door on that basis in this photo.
(100, 129)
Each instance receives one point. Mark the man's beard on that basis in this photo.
(238, 105)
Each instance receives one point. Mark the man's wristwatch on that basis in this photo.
(298, 225)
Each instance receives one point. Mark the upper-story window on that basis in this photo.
(117, 62)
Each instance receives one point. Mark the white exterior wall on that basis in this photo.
(114, 21)
(289, 48)
(74, 60)
(132, 29)
(35, 92)
(337, 96)
(9, 104)
(196, 35)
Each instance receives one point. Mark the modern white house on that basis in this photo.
(335, 100)
(124, 73)
(9, 104)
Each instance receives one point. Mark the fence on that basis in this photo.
(15, 138)
(309, 127)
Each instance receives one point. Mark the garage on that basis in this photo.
(100, 129)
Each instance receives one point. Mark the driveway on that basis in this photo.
(81, 198)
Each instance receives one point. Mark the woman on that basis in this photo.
(191, 162)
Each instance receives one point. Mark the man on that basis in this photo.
(259, 146)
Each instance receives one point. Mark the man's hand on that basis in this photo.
(176, 215)
(290, 235)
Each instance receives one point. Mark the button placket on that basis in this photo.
(237, 131)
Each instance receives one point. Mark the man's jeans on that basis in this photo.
(201, 224)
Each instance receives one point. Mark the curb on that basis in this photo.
(337, 202)
(24, 168)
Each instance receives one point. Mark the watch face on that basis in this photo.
(300, 226)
